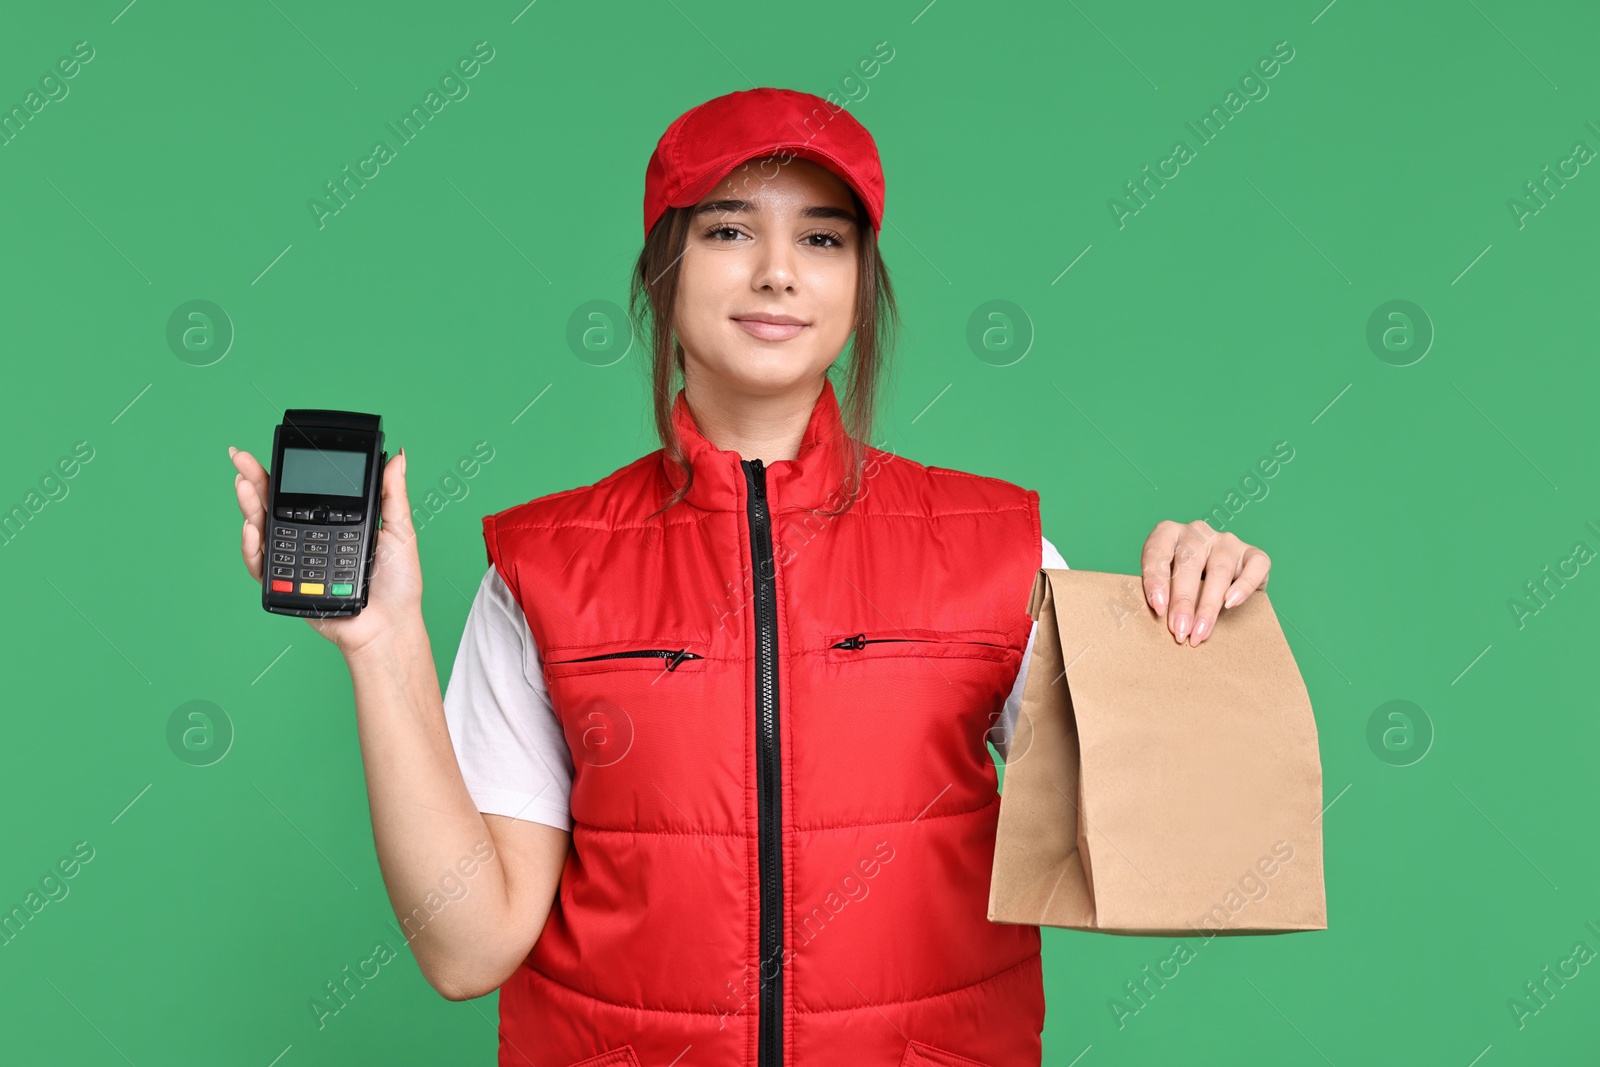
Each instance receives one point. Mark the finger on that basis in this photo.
(1252, 577)
(1189, 559)
(1155, 563)
(254, 537)
(251, 468)
(250, 544)
(395, 508)
(252, 501)
(1221, 567)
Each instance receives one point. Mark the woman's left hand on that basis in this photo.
(1176, 556)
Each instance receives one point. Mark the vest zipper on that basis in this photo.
(769, 1046)
(674, 657)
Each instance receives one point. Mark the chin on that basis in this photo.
(764, 372)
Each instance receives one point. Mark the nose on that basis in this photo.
(775, 267)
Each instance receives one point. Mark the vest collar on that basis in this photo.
(813, 479)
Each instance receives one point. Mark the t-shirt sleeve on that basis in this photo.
(507, 737)
(1050, 559)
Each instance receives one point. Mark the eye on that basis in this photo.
(713, 231)
(838, 242)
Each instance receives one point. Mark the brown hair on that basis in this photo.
(654, 294)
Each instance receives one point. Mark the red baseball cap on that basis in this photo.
(705, 144)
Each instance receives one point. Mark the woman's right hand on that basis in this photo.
(394, 596)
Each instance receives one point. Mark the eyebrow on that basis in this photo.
(736, 206)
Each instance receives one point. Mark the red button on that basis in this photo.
(280, 586)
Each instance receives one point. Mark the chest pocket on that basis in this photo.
(606, 694)
(928, 691)
(890, 724)
(648, 721)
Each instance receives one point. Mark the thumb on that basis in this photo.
(395, 505)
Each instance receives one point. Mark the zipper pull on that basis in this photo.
(676, 658)
(852, 642)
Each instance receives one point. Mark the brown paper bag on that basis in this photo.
(1155, 788)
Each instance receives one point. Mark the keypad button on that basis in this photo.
(282, 587)
(348, 550)
(287, 546)
(344, 576)
(301, 515)
(283, 557)
(352, 516)
(349, 535)
(316, 535)
(335, 516)
(311, 588)
(315, 550)
(283, 531)
(312, 561)
(319, 514)
(342, 590)
(283, 572)
(314, 575)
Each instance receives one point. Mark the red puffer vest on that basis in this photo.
(783, 807)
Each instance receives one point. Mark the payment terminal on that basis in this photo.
(322, 512)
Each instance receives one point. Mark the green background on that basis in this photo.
(1229, 314)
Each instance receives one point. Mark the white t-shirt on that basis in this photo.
(506, 735)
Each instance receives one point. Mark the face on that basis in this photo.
(771, 242)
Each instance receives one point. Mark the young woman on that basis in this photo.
(710, 784)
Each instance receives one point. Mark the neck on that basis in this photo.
(766, 426)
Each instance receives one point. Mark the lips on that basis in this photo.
(766, 330)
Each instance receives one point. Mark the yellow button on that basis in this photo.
(311, 588)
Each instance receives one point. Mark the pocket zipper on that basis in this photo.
(673, 658)
(859, 640)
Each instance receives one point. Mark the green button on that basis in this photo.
(343, 589)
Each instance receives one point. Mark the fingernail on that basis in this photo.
(1231, 599)
(1158, 599)
(1183, 625)
(1200, 628)
(231, 451)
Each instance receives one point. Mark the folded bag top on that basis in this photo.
(1157, 788)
